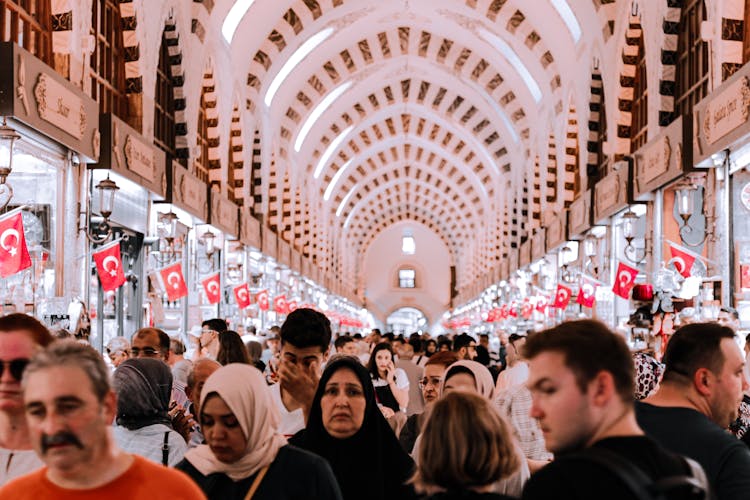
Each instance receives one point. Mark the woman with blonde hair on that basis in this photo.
(479, 453)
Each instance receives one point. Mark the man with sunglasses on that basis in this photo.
(20, 337)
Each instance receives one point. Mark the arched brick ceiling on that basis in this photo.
(438, 118)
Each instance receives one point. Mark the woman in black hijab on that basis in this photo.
(346, 428)
(144, 387)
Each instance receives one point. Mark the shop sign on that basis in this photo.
(524, 254)
(504, 269)
(33, 93)
(285, 253)
(306, 268)
(269, 243)
(249, 229)
(125, 151)
(610, 194)
(296, 261)
(727, 110)
(556, 232)
(513, 260)
(538, 248)
(662, 159)
(224, 214)
(579, 215)
(189, 192)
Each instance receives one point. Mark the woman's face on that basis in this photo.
(431, 348)
(382, 359)
(222, 430)
(343, 404)
(460, 382)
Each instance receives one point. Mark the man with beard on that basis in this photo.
(70, 406)
(582, 385)
(698, 398)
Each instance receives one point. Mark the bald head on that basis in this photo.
(202, 369)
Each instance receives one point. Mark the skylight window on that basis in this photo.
(291, 63)
(568, 17)
(235, 15)
(330, 150)
(317, 112)
(408, 245)
(515, 61)
(345, 200)
(335, 179)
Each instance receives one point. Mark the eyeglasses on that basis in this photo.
(434, 381)
(16, 367)
(147, 352)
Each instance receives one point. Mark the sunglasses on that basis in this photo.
(16, 367)
(149, 352)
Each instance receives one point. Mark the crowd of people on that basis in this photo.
(561, 413)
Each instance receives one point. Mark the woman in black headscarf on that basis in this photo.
(346, 428)
(144, 388)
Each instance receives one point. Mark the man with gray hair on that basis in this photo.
(70, 407)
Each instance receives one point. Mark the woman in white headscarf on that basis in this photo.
(245, 456)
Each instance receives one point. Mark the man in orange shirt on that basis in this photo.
(70, 406)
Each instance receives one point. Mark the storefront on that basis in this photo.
(49, 128)
(221, 254)
(722, 143)
(138, 169)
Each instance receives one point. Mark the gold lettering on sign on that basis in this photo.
(654, 161)
(59, 106)
(608, 193)
(727, 111)
(139, 157)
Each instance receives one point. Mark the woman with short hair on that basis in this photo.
(479, 453)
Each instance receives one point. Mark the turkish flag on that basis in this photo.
(513, 310)
(280, 305)
(586, 293)
(212, 287)
(624, 280)
(292, 306)
(541, 304)
(504, 311)
(242, 295)
(683, 261)
(14, 256)
(562, 297)
(109, 266)
(174, 281)
(526, 308)
(261, 298)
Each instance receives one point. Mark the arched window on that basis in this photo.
(108, 59)
(639, 116)
(692, 59)
(164, 119)
(407, 277)
(29, 24)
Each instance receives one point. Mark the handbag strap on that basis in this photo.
(165, 450)
(256, 483)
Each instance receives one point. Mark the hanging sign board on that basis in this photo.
(524, 253)
(556, 231)
(188, 192)
(125, 151)
(224, 214)
(580, 215)
(33, 93)
(662, 160)
(249, 229)
(538, 247)
(270, 246)
(611, 194)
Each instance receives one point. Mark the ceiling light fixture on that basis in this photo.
(317, 112)
(569, 18)
(235, 15)
(335, 179)
(514, 61)
(345, 200)
(291, 63)
(330, 150)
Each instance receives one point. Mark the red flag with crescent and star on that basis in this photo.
(14, 255)
(242, 295)
(586, 293)
(109, 266)
(212, 287)
(624, 280)
(562, 297)
(174, 281)
(541, 304)
(683, 261)
(280, 305)
(261, 298)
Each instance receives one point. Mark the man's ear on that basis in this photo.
(602, 388)
(109, 406)
(702, 381)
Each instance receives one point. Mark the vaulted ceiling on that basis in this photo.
(422, 110)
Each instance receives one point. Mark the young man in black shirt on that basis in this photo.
(699, 395)
(582, 384)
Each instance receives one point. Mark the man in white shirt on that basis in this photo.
(517, 371)
(21, 336)
(305, 341)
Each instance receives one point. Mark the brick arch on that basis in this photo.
(732, 37)
(209, 96)
(236, 161)
(172, 39)
(571, 175)
(630, 55)
(607, 12)
(133, 71)
(594, 139)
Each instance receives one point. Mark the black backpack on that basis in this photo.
(682, 487)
